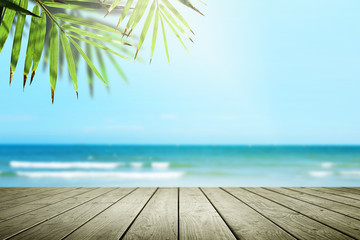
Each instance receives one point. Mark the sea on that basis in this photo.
(178, 166)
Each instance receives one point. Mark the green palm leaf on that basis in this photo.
(172, 20)
(88, 61)
(96, 44)
(54, 58)
(176, 13)
(146, 26)
(69, 60)
(31, 44)
(6, 24)
(17, 40)
(174, 31)
(20, 9)
(124, 12)
(164, 37)
(93, 33)
(39, 44)
(155, 31)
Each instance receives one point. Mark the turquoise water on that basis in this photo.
(122, 165)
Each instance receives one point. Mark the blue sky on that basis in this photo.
(259, 72)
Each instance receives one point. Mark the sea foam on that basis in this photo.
(160, 165)
(351, 173)
(119, 175)
(64, 165)
(327, 164)
(136, 164)
(320, 174)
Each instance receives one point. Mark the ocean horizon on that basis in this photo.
(112, 165)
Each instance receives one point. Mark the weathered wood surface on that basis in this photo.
(179, 213)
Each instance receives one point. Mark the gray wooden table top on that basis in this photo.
(179, 213)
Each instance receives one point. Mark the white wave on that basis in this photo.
(160, 165)
(320, 174)
(327, 164)
(136, 164)
(119, 175)
(350, 173)
(64, 165)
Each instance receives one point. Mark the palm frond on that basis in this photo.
(58, 30)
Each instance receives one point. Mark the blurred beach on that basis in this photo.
(153, 165)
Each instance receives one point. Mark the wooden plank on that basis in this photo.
(12, 212)
(320, 202)
(347, 189)
(340, 222)
(298, 225)
(339, 193)
(55, 227)
(245, 222)
(159, 218)
(25, 221)
(17, 194)
(114, 221)
(198, 219)
(329, 196)
(32, 198)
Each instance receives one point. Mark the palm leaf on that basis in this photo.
(174, 31)
(17, 40)
(31, 44)
(39, 44)
(164, 37)
(189, 4)
(113, 5)
(155, 31)
(92, 33)
(88, 61)
(96, 44)
(83, 22)
(69, 60)
(124, 12)
(117, 67)
(20, 9)
(102, 64)
(172, 20)
(6, 24)
(54, 58)
(146, 26)
(90, 73)
(97, 35)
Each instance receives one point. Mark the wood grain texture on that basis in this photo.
(244, 221)
(159, 218)
(179, 213)
(347, 189)
(335, 220)
(114, 221)
(329, 196)
(8, 212)
(321, 202)
(59, 226)
(10, 196)
(339, 193)
(298, 225)
(198, 219)
(23, 222)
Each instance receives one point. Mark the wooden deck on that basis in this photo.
(179, 213)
